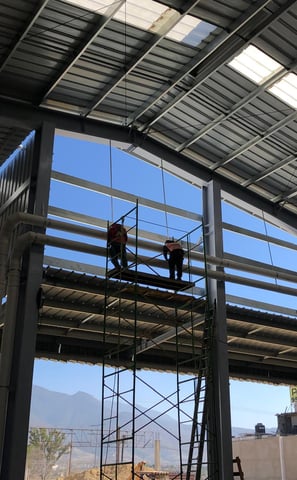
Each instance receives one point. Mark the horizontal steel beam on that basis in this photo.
(20, 115)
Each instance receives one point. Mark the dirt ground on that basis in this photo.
(124, 473)
(92, 474)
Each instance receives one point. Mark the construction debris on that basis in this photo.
(92, 474)
(123, 473)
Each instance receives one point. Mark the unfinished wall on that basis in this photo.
(267, 458)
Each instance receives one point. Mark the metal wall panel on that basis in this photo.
(15, 180)
(28, 173)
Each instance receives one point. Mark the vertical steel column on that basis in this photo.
(219, 417)
(20, 376)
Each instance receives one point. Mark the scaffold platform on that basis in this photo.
(149, 279)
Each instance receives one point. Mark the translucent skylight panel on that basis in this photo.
(286, 89)
(199, 33)
(255, 65)
(190, 30)
(98, 6)
(155, 17)
(183, 28)
(141, 14)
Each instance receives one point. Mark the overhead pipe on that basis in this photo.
(40, 221)
(29, 238)
(265, 272)
(35, 221)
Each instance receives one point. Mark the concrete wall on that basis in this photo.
(267, 458)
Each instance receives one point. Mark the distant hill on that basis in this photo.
(83, 411)
(54, 409)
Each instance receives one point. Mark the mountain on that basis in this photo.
(81, 412)
(54, 409)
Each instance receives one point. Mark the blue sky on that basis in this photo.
(251, 402)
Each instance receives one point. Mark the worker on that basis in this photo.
(174, 254)
(116, 240)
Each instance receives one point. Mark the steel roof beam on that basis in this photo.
(142, 297)
(22, 35)
(262, 356)
(19, 114)
(237, 107)
(46, 320)
(225, 46)
(101, 24)
(249, 357)
(172, 333)
(254, 141)
(268, 171)
(92, 307)
(275, 322)
(285, 195)
(139, 57)
(288, 344)
(113, 192)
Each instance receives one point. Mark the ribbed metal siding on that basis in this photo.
(217, 12)
(279, 39)
(15, 182)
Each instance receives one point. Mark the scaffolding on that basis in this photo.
(124, 421)
(118, 384)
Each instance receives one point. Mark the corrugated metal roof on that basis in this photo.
(261, 345)
(60, 56)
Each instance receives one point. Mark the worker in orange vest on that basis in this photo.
(174, 254)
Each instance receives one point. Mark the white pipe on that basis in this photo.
(38, 221)
(34, 220)
(266, 272)
(43, 239)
